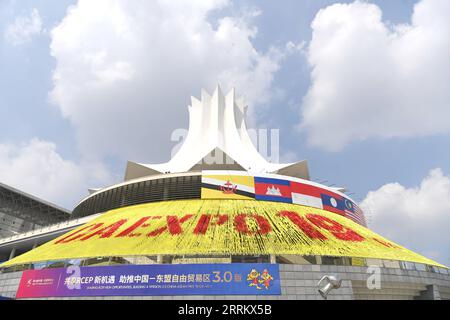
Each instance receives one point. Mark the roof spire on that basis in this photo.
(217, 133)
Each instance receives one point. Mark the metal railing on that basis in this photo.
(47, 229)
(152, 190)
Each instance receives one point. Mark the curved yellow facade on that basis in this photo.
(219, 227)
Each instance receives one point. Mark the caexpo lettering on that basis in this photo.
(312, 225)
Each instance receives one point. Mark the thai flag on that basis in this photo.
(306, 195)
(270, 189)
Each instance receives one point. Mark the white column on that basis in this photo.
(273, 258)
(12, 254)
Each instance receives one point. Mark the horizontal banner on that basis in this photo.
(269, 188)
(235, 227)
(152, 280)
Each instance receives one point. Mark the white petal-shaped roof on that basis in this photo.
(217, 139)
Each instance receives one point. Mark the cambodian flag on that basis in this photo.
(270, 189)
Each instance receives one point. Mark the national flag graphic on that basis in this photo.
(349, 206)
(357, 215)
(227, 187)
(333, 202)
(306, 195)
(352, 211)
(270, 189)
(312, 196)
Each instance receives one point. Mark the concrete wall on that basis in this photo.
(9, 282)
(299, 282)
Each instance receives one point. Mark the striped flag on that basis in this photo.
(270, 189)
(354, 212)
(316, 197)
(358, 216)
(227, 187)
(306, 195)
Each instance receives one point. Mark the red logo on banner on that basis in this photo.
(228, 188)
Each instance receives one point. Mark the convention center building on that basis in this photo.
(217, 221)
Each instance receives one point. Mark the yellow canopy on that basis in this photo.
(219, 227)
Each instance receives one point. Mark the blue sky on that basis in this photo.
(110, 97)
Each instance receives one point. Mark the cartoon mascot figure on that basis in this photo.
(266, 278)
(253, 278)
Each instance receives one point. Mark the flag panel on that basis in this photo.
(333, 203)
(269, 189)
(227, 187)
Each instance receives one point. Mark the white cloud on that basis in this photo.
(418, 217)
(370, 79)
(36, 168)
(125, 70)
(24, 28)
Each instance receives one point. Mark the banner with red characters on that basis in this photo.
(204, 227)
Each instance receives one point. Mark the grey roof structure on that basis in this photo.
(21, 205)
